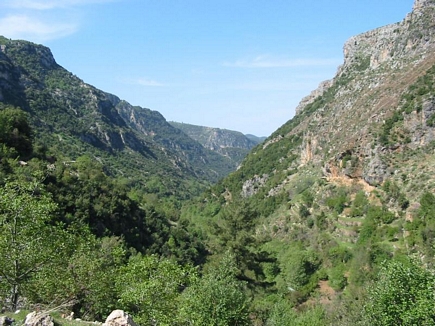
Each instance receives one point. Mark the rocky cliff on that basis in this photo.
(348, 182)
(346, 115)
(74, 118)
(373, 123)
(228, 143)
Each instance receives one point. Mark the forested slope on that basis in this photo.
(73, 118)
(320, 213)
(330, 221)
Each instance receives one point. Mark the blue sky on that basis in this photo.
(234, 64)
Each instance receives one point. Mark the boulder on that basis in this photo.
(38, 319)
(119, 318)
(6, 321)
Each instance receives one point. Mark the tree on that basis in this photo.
(216, 299)
(28, 241)
(149, 288)
(15, 131)
(84, 278)
(234, 232)
(283, 314)
(404, 295)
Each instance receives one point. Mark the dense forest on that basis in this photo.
(329, 221)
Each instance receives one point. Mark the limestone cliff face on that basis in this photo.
(63, 108)
(323, 87)
(231, 144)
(414, 35)
(356, 124)
(420, 5)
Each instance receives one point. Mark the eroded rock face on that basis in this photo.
(322, 88)
(38, 319)
(252, 186)
(375, 170)
(421, 4)
(379, 65)
(6, 321)
(119, 318)
(417, 124)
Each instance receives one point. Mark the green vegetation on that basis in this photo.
(216, 299)
(403, 295)
(411, 100)
(27, 241)
(97, 212)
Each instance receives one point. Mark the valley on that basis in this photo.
(328, 221)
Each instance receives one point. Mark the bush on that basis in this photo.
(403, 295)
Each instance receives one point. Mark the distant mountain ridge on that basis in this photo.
(228, 143)
(352, 171)
(74, 118)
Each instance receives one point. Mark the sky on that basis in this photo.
(235, 64)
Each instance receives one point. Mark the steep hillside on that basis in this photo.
(344, 185)
(376, 110)
(228, 143)
(73, 118)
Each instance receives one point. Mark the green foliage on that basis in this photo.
(413, 97)
(339, 254)
(395, 194)
(422, 228)
(15, 131)
(321, 221)
(380, 215)
(149, 288)
(363, 62)
(359, 205)
(298, 267)
(403, 295)
(412, 100)
(427, 206)
(338, 201)
(3, 40)
(384, 137)
(337, 278)
(283, 314)
(233, 232)
(216, 299)
(84, 277)
(28, 241)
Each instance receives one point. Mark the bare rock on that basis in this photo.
(38, 319)
(252, 186)
(119, 318)
(6, 321)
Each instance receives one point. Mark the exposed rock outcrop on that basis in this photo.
(6, 321)
(323, 87)
(119, 318)
(38, 319)
(252, 186)
(349, 113)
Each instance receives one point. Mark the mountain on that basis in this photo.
(329, 221)
(73, 118)
(344, 185)
(228, 143)
(372, 122)
(256, 138)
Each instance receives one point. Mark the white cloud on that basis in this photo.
(266, 61)
(26, 27)
(144, 82)
(41, 20)
(149, 82)
(49, 4)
